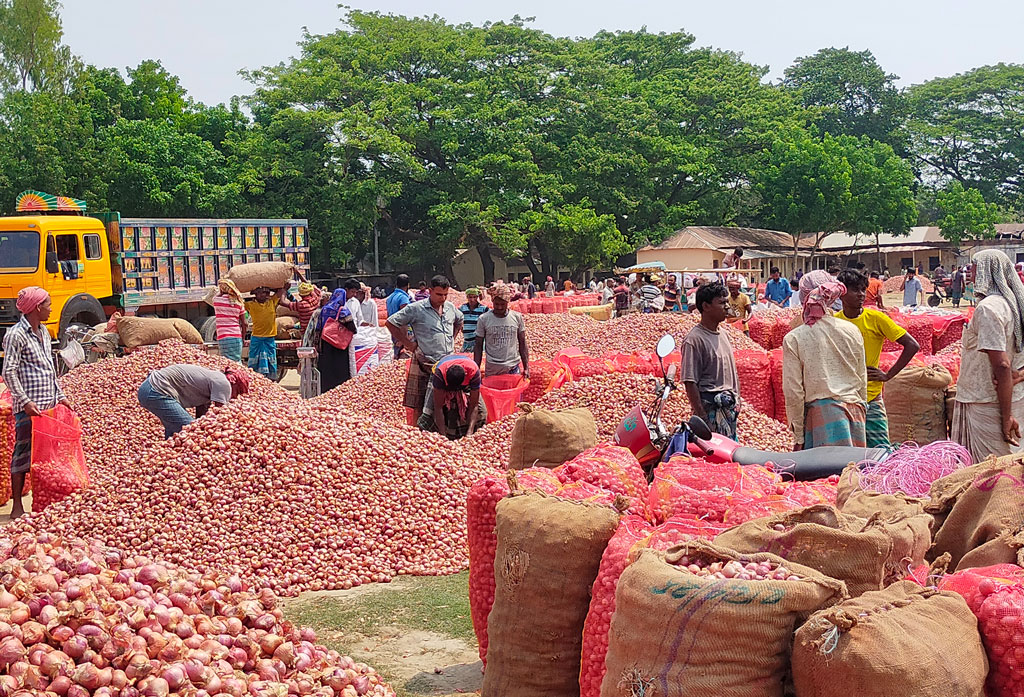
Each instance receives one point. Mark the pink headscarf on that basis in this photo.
(30, 298)
(818, 290)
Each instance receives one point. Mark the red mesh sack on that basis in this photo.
(6, 444)
(58, 463)
(761, 328)
(501, 393)
(755, 374)
(783, 325)
(544, 377)
(949, 361)
(810, 493)
(481, 509)
(778, 397)
(950, 335)
(586, 366)
(757, 507)
(699, 473)
(612, 468)
(590, 493)
(921, 328)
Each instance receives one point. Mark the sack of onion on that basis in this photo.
(58, 466)
(729, 619)
(547, 438)
(271, 274)
(548, 555)
(904, 640)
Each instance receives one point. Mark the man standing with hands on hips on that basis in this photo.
(32, 380)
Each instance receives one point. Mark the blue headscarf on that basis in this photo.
(335, 308)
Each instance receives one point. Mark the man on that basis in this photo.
(777, 290)
(549, 288)
(398, 299)
(912, 289)
(672, 293)
(502, 333)
(875, 327)
(940, 273)
(168, 392)
(608, 293)
(263, 342)
(472, 310)
(731, 261)
(529, 288)
(29, 375)
(621, 297)
(708, 367)
(593, 285)
(739, 305)
(873, 298)
(453, 406)
(434, 323)
(421, 293)
(957, 286)
(649, 295)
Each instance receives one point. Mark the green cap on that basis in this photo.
(472, 291)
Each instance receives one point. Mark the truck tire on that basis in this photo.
(207, 327)
(83, 310)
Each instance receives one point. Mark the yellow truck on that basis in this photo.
(95, 265)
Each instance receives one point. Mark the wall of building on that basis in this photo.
(896, 262)
(469, 270)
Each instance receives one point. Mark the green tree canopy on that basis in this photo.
(965, 214)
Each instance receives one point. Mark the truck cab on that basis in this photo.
(68, 256)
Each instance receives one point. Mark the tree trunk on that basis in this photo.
(878, 254)
(487, 261)
(796, 253)
(532, 264)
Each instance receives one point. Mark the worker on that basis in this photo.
(549, 287)
(398, 299)
(874, 327)
(957, 286)
(422, 293)
(912, 288)
(824, 371)
(568, 287)
(502, 335)
(739, 304)
(30, 376)
(229, 316)
(334, 329)
(434, 322)
(363, 348)
(794, 298)
(472, 310)
(989, 404)
(651, 299)
(731, 261)
(168, 392)
(777, 290)
(873, 296)
(452, 404)
(263, 344)
(672, 294)
(529, 288)
(621, 294)
(708, 366)
(308, 302)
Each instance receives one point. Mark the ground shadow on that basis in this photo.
(454, 679)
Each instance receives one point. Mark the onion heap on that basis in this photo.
(737, 570)
(81, 620)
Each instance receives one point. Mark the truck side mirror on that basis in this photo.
(51, 263)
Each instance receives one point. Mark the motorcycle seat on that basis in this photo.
(814, 463)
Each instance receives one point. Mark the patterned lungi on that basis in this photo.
(830, 422)
(876, 425)
(263, 356)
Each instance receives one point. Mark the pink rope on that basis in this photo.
(912, 468)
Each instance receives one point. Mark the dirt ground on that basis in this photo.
(415, 631)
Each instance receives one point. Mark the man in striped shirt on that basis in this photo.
(471, 311)
(30, 376)
(649, 294)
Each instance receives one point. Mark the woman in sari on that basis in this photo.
(824, 372)
(989, 395)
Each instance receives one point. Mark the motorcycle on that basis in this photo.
(941, 290)
(645, 435)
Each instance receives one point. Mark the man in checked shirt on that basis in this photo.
(32, 380)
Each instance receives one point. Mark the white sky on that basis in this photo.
(206, 42)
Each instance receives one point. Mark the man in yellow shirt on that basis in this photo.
(739, 304)
(263, 344)
(875, 327)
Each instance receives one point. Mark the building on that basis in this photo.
(468, 269)
(699, 247)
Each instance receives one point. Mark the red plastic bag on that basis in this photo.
(501, 393)
(58, 463)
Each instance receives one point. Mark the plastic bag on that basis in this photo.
(58, 463)
(501, 393)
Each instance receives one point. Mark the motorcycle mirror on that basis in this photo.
(666, 345)
(700, 428)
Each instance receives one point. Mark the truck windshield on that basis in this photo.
(19, 252)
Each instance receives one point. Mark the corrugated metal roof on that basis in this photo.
(727, 239)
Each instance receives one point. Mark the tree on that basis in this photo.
(30, 49)
(153, 93)
(965, 214)
(850, 94)
(969, 128)
(805, 189)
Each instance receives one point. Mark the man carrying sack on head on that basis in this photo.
(32, 380)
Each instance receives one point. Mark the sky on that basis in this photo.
(206, 42)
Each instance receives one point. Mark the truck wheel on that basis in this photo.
(80, 310)
(207, 327)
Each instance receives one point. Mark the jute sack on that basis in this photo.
(547, 438)
(676, 634)
(865, 554)
(271, 274)
(981, 509)
(853, 500)
(905, 640)
(146, 331)
(286, 326)
(549, 551)
(915, 401)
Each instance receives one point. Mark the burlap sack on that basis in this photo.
(287, 327)
(675, 634)
(905, 640)
(865, 554)
(546, 438)
(979, 513)
(853, 500)
(272, 274)
(549, 551)
(915, 401)
(146, 331)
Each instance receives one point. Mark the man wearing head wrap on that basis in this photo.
(29, 375)
(167, 393)
(472, 310)
(308, 302)
(989, 394)
(263, 343)
(739, 304)
(824, 371)
(501, 334)
(549, 287)
(229, 314)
